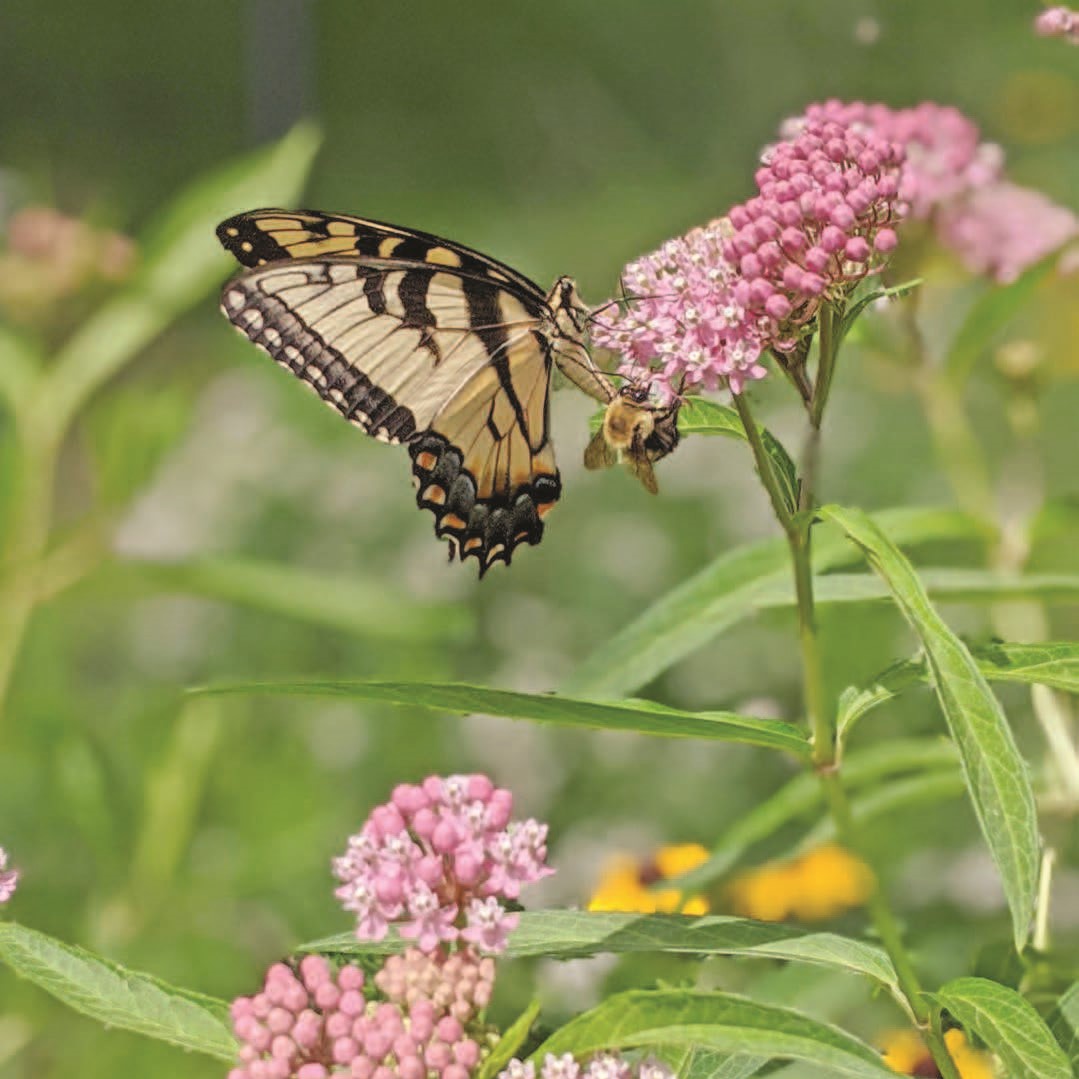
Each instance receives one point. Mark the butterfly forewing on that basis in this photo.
(456, 364)
(261, 236)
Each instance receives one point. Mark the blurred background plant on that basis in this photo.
(175, 510)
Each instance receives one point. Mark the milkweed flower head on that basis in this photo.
(1003, 229)
(955, 180)
(682, 322)
(313, 1023)
(712, 302)
(603, 1066)
(631, 884)
(9, 878)
(1058, 21)
(438, 860)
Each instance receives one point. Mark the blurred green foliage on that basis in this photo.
(192, 839)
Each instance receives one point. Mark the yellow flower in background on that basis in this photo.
(626, 883)
(905, 1053)
(816, 886)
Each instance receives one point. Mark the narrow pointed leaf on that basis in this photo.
(644, 717)
(726, 591)
(717, 1021)
(946, 584)
(573, 934)
(1009, 1025)
(996, 775)
(709, 1064)
(1064, 1023)
(511, 1041)
(1053, 664)
(182, 262)
(119, 998)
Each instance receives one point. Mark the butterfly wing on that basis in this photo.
(259, 237)
(453, 364)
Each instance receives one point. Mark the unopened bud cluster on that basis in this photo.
(459, 984)
(314, 1024)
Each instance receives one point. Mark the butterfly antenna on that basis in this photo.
(626, 299)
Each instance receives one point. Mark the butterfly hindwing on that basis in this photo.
(454, 364)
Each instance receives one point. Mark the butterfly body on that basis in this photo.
(420, 341)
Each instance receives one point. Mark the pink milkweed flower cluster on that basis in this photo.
(1003, 229)
(684, 318)
(437, 860)
(459, 984)
(313, 1024)
(1058, 21)
(944, 155)
(712, 302)
(604, 1066)
(955, 180)
(9, 878)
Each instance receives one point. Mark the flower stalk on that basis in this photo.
(819, 715)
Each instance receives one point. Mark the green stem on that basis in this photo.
(764, 464)
(819, 715)
(828, 354)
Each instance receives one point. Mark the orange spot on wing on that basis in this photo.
(426, 461)
(543, 508)
(451, 520)
(434, 494)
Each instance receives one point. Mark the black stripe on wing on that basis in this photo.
(270, 235)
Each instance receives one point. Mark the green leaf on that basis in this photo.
(644, 717)
(1064, 1023)
(893, 798)
(725, 592)
(996, 774)
(708, 1064)
(954, 585)
(512, 1040)
(117, 997)
(698, 416)
(719, 1021)
(1009, 1026)
(348, 603)
(855, 310)
(182, 263)
(802, 796)
(990, 314)
(1053, 664)
(574, 934)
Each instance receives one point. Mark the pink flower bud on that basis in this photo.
(857, 250)
(817, 259)
(885, 241)
(778, 307)
(843, 216)
(833, 239)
